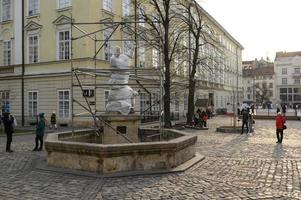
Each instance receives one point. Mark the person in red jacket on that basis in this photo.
(280, 120)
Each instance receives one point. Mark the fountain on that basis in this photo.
(123, 146)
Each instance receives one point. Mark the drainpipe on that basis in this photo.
(23, 66)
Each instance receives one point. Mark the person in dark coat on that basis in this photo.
(204, 118)
(40, 132)
(278, 110)
(8, 123)
(284, 109)
(245, 121)
(253, 109)
(53, 121)
(280, 121)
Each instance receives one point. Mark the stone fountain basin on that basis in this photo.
(75, 151)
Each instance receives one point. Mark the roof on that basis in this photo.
(288, 54)
(261, 71)
(248, 62)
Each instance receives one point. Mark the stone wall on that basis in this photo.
(114, 158)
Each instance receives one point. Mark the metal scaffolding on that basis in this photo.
(143, 78)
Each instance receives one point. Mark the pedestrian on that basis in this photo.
(253, 108)
(251, 122)
(53, 121)
(40, 132)
(284, 109)
(204, 118)
(245, 120)
(295, 108)
(278, 109)
(8, 123)
(280, 121)
(196, 119)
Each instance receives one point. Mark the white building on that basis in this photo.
(288, 75)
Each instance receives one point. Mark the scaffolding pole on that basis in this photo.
(152, 78)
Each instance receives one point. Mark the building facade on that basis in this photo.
(259, 82)
(287, 71)
(47, 72)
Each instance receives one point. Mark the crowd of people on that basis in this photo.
(200, 118)
(248, 121)
(10, 123)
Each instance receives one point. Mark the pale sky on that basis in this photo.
(263, 27)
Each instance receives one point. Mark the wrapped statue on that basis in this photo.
(121, 95)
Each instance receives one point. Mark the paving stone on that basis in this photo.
(248, 166)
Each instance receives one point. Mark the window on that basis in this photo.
(88, 92)
(32, 103)
(64, 3)
(33, 49)
(143, 103)
(6, 10)
(249, 96)
(270, 85)
(4, 101)
(177, 104)
(177, 65)
(284, 81)
(108, 5)
(185, 101)
(283, 90)
(107, 93)
(155, 58)
(270, 93)
(64, 103)
(297, 70)
(127, 44)
(155, 102)
(297, 81)
(64, 45)
(126, 8)
(108, 47)
(141, 13)
(7, 53)
(141, 57)
(33, 7)
(284, 71)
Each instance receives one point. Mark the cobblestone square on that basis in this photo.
(248, 166)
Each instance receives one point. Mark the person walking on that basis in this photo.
(40, 132)
(53, 121)
(284, 109)
(245, 120)
(280, 121)
(204, 118)
(8, 123)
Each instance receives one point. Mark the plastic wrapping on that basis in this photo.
(120, 96)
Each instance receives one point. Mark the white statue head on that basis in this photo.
(117, 51)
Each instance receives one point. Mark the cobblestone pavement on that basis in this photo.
(248, 166)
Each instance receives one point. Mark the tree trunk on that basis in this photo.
(167, 120)
(191, 86)
(191, 89)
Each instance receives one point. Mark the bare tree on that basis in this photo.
(263, 94)
(161, 31)
(200, 37)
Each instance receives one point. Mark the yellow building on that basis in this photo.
(47, 75)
